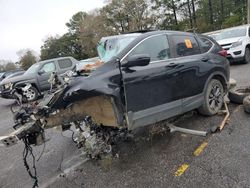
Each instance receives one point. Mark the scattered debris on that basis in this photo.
(224, 121)
(237, 94)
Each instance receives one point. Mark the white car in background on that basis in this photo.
(236, 41)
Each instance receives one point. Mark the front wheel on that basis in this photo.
(30, 95)
(247, 56)
(213, 98)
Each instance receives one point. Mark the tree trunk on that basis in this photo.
(190, 15)
(211, 19)
(248, 11)
(194, 13)
(174, 11)
(222, 11)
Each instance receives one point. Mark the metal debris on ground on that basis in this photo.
(224, 121)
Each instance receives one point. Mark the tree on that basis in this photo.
(10, 66)
(27, 58)
(74, 23)
(190, 14)
(194, 13)
(66, 45)
(7, 65)
(92, 29)
(168, 11)
(122, 16)
(129, 15)
(2, 68)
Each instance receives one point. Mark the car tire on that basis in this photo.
(238, 94)
(30, 95)
(247, 56)
(246, 104)
(213, 98)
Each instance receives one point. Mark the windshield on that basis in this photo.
(33, 69)
(110, 47)
(232, 33)
(1, 74)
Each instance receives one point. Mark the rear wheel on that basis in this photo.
(247, 56)
(213, 99)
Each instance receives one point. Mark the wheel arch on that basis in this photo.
(27, 82)
(248, 46)
(218, 76)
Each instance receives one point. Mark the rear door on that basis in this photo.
(150, 91)
(194, 68)
(43, 78)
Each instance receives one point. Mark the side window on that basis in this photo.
(249, 31)
(156, 47)
(49, 67)
(185, 46)
(206, 44)
(64, 63)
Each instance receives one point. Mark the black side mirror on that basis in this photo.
(40, 72)
(137, 60)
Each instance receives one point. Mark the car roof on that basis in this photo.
(55, 59)
(147, 33)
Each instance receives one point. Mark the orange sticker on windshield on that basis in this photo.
(188, 43)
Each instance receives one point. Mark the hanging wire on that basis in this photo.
(28, 150)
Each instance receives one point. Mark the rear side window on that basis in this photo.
(185, 46)
(206, 44)
(64, 63)
(156, 47)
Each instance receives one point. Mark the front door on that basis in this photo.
(44, 75)
(150, 91)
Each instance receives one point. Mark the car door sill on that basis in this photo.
(153, 114)
(162, 112)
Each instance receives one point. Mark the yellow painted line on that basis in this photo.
(181, 169)
(199, 150)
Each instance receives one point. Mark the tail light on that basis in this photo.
(223, 53)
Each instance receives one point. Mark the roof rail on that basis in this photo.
(141, 31)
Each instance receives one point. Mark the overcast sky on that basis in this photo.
(26, 23)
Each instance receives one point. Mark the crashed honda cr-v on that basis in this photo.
(145, 78)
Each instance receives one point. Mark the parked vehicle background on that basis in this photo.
(14, 74)
(236, 41)
(37, 75)
(8, 73)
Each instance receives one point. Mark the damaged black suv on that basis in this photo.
(144, 78)
(148, 77)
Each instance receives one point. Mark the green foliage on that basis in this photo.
(10, 66)
(6, 65)
(122, 16)
(27, 59)
(75, 22)
(129, 15)
(66, 45)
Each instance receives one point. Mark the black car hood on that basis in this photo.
(18, 79)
